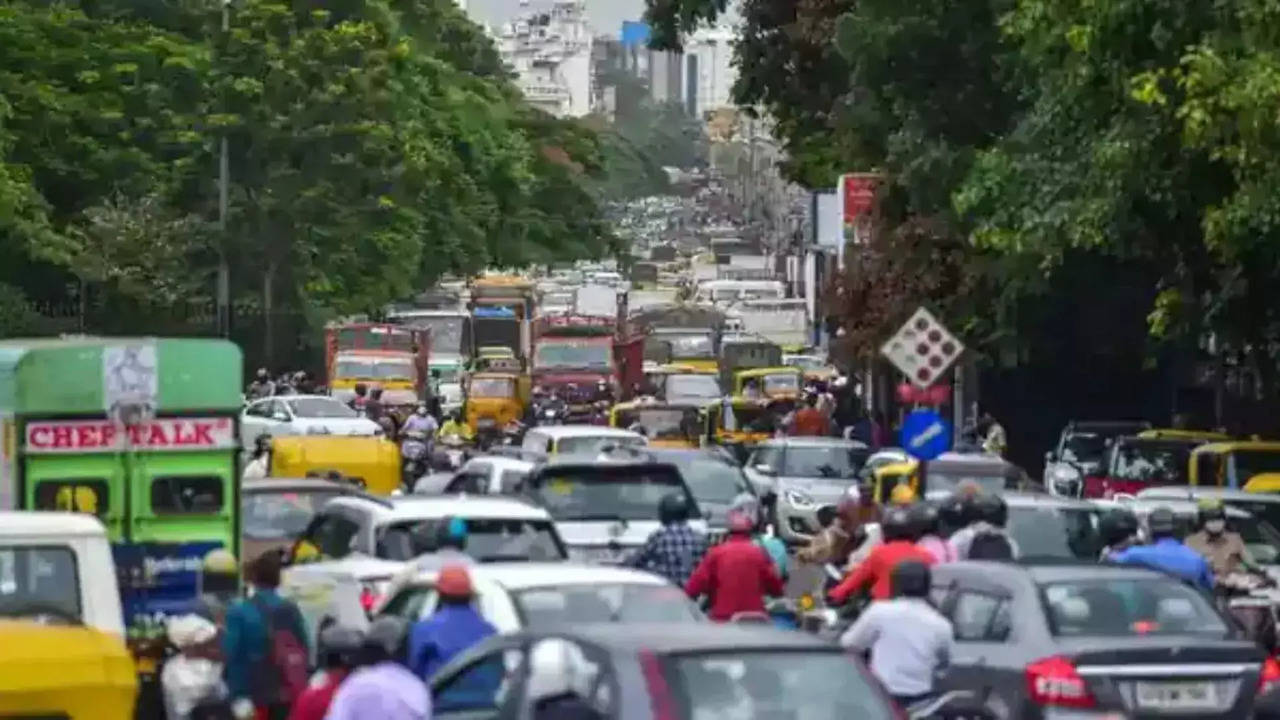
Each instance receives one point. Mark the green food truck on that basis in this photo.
(141, 433)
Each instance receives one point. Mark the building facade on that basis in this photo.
(550, 49)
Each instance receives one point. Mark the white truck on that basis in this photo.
(596, 300)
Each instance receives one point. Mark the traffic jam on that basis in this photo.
(586, 493)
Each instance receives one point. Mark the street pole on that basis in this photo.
(224, 179)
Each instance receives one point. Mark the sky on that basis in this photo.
(605, 16)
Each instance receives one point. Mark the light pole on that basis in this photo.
(224, 180)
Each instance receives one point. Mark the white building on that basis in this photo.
(709, 73)
(549, 50)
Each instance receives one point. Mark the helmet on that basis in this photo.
(902, 495)
(673, 508)
(991, 508)
(952, 513)
(896, 524)
(385, 638)
(454, 582)
(219, 562)
(422, 409)
(262, 442)
(452, 534)
(1117, 525)
(263, 374)
(910, 578)
(1210, 509)
(338, 645)
(1162, 523)
(746, 503)
(924, 518)
(361, 388)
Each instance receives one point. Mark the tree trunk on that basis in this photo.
(268, 314)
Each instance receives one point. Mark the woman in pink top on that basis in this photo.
(924, 517)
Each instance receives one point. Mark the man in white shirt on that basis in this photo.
(909, 641)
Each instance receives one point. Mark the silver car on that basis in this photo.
(805, 477)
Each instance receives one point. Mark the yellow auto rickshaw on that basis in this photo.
(752, 422)
(493, 399)
(674, 425)
(1206, 436)
(74, 672)
(773, 382)
(1267, 483)
(372, 462)
(948, 473)
(1233, 464)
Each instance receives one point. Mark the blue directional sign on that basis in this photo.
(925, 435)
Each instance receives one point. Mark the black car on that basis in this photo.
(658, 672)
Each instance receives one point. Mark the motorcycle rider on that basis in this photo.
(749, 505)
(455, 427)
(736, 575)
(674, 549)
(261, 387)
(834, 543)
(928, 522)
(357, 402)
(373, 407)
(909, 641)
(1225, 550)
(338, 647)
(899, 535)
(1118, 528)
(383, 686)
(985, 538)
(809, 420)
(421, 421)
(1166, 553)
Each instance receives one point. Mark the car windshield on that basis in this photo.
(1084, 448)
(1055, 532)
(1128, 607)
(1152, 461)
(488, 540)
(804, 362)
(39, 580)
(280, 515)
(608, 493)
(781, 383)
(1248, 463)
(712, 480)
(662, 423)
(491, 388)
(603, 602)
(320, 408)
(573, 355)
(695, 386)
(808, 685)
(826, 461)
(690, 346)
(375, 369)
(587, 444)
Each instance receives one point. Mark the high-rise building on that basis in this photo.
(549, 50)
(709, 72)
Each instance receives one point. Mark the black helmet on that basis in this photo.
(910, 578)
(673, 508)
(991, 508)
(968, 505)
(953, 513)
(1162, 523)
(1117, 525)
(385, 639)
(895, 524)
(924, 518)
(339, 646)
(1210, 509)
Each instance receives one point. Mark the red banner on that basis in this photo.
(83, 436)
(857, 198)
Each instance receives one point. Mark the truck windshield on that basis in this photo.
(573, 355)
(448, 334)
(39, 580)
(691, 346)
(375, 369)
(491, 388)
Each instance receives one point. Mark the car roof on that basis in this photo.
(49, 523)
(421, 507)
(679, 454)
(1143, 506)
(525, 575)
(1048, 571)
(557, 432)
(505, 462)
(1195, 492)
(287, 398)
(812, 441)
(678, 638)
(274, 484)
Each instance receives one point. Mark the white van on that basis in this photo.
(58, 565)
(728, 292)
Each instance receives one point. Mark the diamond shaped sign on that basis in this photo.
(923, 349)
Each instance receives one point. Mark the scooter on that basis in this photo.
(413, 451)
(1251, 599)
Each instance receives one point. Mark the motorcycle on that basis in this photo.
(454, 450)
(550, 412)
(1251, 600)
(414, 453)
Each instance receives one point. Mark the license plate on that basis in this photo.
(1178, 696)
(604, 555)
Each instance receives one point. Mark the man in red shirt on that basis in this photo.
(810, 421)
(338, 648)
(899, 544)
(736, 574)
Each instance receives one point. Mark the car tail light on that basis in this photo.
(1054, 681)
(369, 599)
(661, 702)
(1270, 678)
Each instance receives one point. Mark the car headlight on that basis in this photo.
(798, 499)
(1064, 473)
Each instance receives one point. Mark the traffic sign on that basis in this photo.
(925, 435)
(923, 349)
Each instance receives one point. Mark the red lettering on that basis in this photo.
(62, 437)
(86, 437)
(203, 435)
(108, 435)
(157, 437)
(135, 434)
(39, 436)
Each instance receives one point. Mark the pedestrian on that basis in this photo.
(192, 679)
(357, 402)
(1167, 553)
(265, 647)
(737, 574)
(259, 465)
(675, 548)
(809, 421)
(909, 641)
(985, 538)
(217, 587)
(338, 650)
(899, 545)
(454, 627)
(992, 433)
(382, 687)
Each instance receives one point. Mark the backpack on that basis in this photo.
(284, 671)
(990, 546)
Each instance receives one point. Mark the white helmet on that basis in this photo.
(558, 667)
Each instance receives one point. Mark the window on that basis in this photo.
(1129, 607)
(597, 603)
(485, 684)
(978, 617)
(824, 461)
(473, 479)
(573, 355)
(38, 581)
(607, 493)
(280, 516)
(409, 603)
(1247, 463)
(593, 443)
(320, 408)
(333, 534)
(692, 386)
(259, 410)
(186, 495)
(510, 481)
(1207, 469)
(83, 495)
(490, 387)
(488, 539)
(1055, 532)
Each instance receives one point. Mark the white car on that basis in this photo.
(338, 591)
(513, 596)
(301, 415)
(484, 475)
(577, 439)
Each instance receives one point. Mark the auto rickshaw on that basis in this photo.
(753, 421)
(1206, 436)
(774, 382)
(1233, 464)
(1266, 483)
(673, 425)
(370, 462)
(947, 473)
(55, 671)
(493, 400)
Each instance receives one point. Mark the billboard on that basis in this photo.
(634, 33)
(858, 203)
